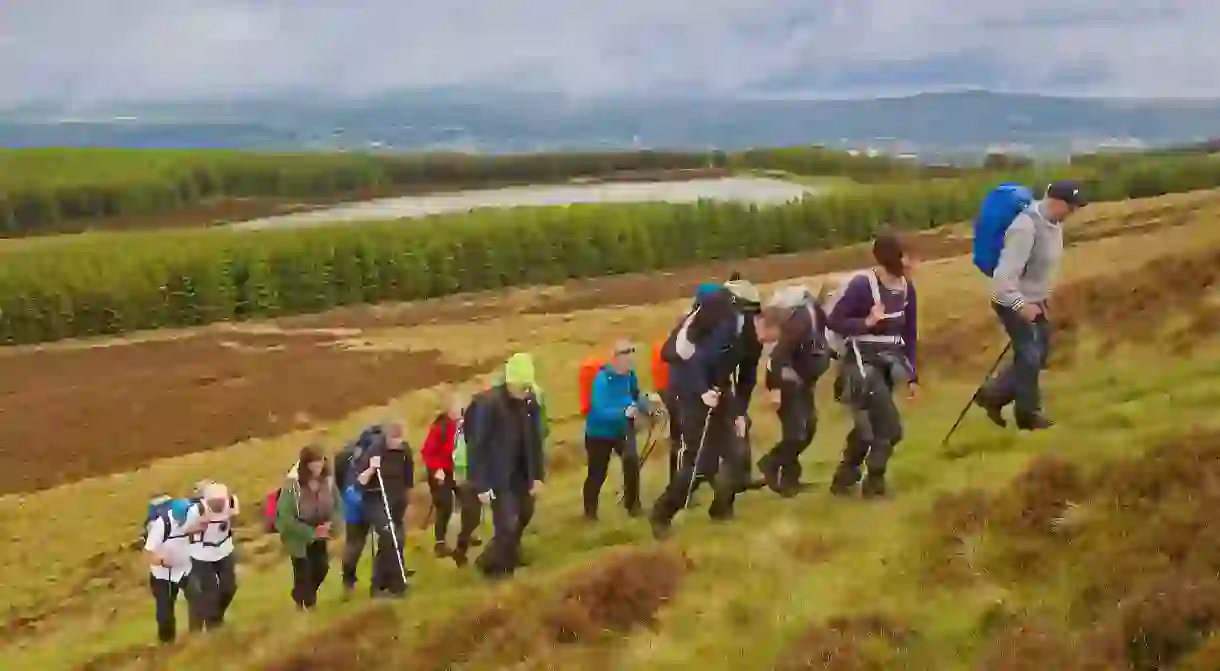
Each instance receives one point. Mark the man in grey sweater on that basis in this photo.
(1021, 285)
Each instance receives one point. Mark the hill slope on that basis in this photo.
(998, 552)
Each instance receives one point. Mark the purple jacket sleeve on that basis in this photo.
(849, 314)
(911, 332)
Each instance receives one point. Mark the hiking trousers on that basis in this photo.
(308, 574)
(1018, 381)
(511, 512)
(165, 597)
(722, 459)
(670, 401)
(387, 574)
(798, 418)
(876, 427)
(470, 516)
(210, 588)
(355, 536)
(599, 451)
(444, 498)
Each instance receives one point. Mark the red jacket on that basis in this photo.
(437, 451)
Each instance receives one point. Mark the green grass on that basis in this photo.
(755, 587)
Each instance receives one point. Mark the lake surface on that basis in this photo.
(758, 190)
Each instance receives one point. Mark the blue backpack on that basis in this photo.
(1000, 208)
(162, 507)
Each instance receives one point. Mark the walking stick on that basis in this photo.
(402, 568)
(945, 443)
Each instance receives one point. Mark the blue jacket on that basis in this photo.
(612, 393)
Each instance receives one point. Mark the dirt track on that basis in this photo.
(69, 413)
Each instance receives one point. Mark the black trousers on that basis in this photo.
(165, 596)
(798, 419)
(511, 512)
(471, 515)
(670, 401)
(355, 536)
(445, 496)
(387, 571)
(723, 459)
(599, 451)
(308, 574)
(210, 590)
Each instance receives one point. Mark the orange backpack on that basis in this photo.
(660, 368)
(589, 369)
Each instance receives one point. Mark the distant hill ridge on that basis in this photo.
(495, 122)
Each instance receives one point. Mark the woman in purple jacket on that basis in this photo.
(875, 315)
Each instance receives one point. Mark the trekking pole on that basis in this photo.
(690, 489)
(1004, 352)
(649, 443)
(402, 568)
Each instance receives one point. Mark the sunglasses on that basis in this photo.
(624, 352)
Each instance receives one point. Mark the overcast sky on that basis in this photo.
(90, 50)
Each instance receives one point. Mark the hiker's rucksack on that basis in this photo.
(589, 369)
(270, 510)
(1000, 208)
(710, 313)
(162, 508)
(798, 297)
(835, 341)
(660, 368)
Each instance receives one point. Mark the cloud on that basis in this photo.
(91, 50)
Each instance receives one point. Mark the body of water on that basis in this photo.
(746, 189)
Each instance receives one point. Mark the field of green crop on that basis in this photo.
(106, 284)
(58, 190)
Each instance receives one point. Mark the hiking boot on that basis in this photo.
(770, 473)
(475, 541)
(721, 515)
(994, 409)
(459, 557)
(590, 516)
(873, 487)
(843, 483)
(661, 528)
(635, 511)
(440, 550)
(1035, 422)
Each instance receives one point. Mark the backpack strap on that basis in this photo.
(874, 284)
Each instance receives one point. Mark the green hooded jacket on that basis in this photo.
(295, 534)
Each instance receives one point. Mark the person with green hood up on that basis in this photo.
(503, 431)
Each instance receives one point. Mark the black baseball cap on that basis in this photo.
(1068, 191)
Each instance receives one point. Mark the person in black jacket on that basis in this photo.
(704, 355)
(506, 462)
(391, 456)
(794, 322)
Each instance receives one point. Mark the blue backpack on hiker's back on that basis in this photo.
(162, 507)
(1000, 208)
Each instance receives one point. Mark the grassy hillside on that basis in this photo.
(1090, 546)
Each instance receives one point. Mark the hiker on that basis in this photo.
(704, 353)
(1022, 282)
(212, 583)
(356, 527)
(437, 454)
(794, 322)
(308, 512)
(386, 473)
(504, 434)
(167, 548)
(874, 319)
(615, 405)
